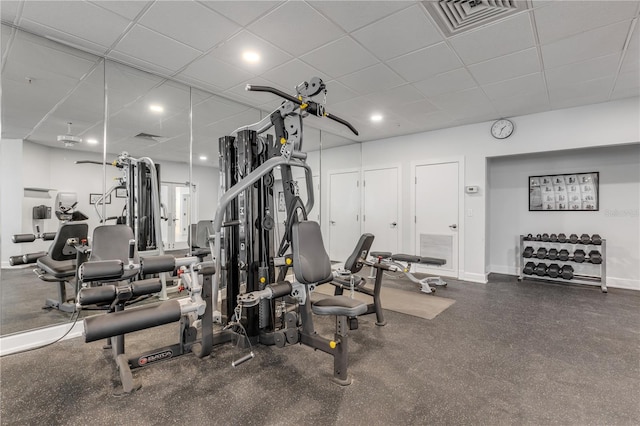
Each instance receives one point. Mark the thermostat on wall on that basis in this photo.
(471, 189)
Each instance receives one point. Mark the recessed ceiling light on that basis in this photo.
(376, 117)
(92, 141)
(156, 108)
(251, 56)
(203, 157)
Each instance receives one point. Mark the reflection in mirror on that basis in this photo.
(52, 116)
(148, 127)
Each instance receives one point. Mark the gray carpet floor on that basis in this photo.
(504, 353)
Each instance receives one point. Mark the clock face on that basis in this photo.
(502, 129)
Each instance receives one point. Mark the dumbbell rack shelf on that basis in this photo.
(597, 280)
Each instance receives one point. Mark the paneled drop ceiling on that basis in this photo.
(393, 58)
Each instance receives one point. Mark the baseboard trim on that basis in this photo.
(32, 339)
(475, 278)
(623, 283)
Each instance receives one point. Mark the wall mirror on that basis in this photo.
(52, 90)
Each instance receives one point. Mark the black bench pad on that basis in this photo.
(339, 305)
(57, 268)
(418, 259)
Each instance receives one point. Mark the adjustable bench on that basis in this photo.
(424, 283)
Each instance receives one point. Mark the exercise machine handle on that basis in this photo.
(242, 360)
(341, 121)
(254, 88)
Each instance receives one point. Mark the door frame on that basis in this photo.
(398, 167)
(412, 201)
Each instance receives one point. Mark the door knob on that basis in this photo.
(394, 224)
(332, 222)
(454, 226)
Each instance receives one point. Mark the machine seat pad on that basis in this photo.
(382, 254)
(57, 268)
(417, 259)
(339, 305)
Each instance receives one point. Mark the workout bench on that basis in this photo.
(396, 259)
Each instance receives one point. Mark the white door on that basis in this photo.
(380, 214)
(436, 215)
(344, 214)
(175, 225)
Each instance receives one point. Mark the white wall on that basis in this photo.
(10, 191)
(604, 124)
(617, 219)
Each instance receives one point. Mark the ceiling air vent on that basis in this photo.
(456, 16)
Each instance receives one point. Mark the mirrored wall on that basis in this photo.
(70, 119)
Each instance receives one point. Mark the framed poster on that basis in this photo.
(93, 198)
(565, 192)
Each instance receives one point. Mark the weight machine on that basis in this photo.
(141, 180)
(260, 308)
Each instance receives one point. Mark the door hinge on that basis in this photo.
(357, 184)
(415, 219)
(416, 180)
(357, 217)
(364, 217)
(364, 183)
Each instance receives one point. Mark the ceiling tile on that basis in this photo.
(521, 105)
(255, 99)
(139, 63)
(352, 15)
(80, 19)
(9, 10)
(582, 71)
(413, 109)
(627, 85)
(188, 22)
(338, 92)
(373, 79)
(501, 38)
(213, 71)
(4, 38)
(586, 99)
(506, 67)
(425, 63)
(45, 60)
(243, 12)
(356, 108)
(292, 73)
(215, 109)
(598, 88)
(62, 38)
(127, 9)
(470, 102)
(565, 18)
(340, 57)
(397, 96)
(451, 81)
(231, 52)
(298, 36)
(411, 30)
(631, 60)
(519, 86)
(156, 48)
(587, 45)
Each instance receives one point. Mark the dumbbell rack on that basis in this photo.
(598, 280)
